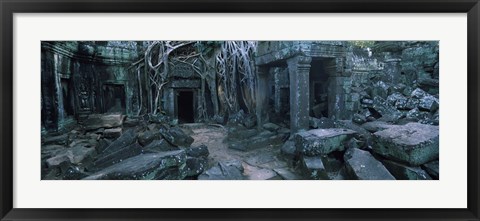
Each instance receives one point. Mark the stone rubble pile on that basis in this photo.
(112, 147)
(375, 150)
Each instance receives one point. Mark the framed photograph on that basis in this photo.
(199, 110)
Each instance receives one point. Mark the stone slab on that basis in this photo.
(362, 165)
(144, 167)
(321, 141)
(405, 172)
(413, 143)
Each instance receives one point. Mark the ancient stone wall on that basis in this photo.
(76, 77)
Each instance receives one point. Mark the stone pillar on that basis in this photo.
(276, 83)
(392, 70)
(169, 104)
(49, 96)
(262, 95)
(299, 71)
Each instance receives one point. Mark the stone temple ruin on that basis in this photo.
(240, 110)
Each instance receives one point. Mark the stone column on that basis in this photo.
(276, 79)
(299, 71)
(392, 70)
(169, 104)
(261, 95)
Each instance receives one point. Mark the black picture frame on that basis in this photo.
(9, 7)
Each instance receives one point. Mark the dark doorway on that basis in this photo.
(114, 98)
(185, 107)
(319, 79)
(68, 104)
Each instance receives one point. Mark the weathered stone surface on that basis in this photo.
(322, 123)
(145, 167)
(259, 141)
(126, 139)
(432, 168)
(321, 141)
(386, 110)
(159, 146)
(75, 155)
(288, 150)
(375, 126)
(418, 93)
(413, 143)
(313, 168)
(200, 151)
(112, 132)
(359, 119)
(95, 121)
(74, 173)
(195, 166)
(271, 127)
(404, 172)
(412, 103)
(395, 98)
(59, 140)
(106, 160)
(51, 150)
(131, 122)
(250, 121)
(362, 165)
(223, 171)
(380, 89)
(146, 137)
(287, 174)
(428, 103)
(331, 163)
(177, 137)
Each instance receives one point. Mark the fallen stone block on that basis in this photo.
(127, 138)
(359, 119)
(271, 127)
(195, 166)
(362, 165)
(250, 121)
(404, 172)
(177, 137)
(418, 93)
(159, 146)
(58, 140)
(396, 97)
(386, 110)
(112, 132)
(313, 168)
(200, 151)
(375, 126)
(146, 137)
(223, 171)
(145, 167)
(321, 141)
(106, 160)
(322, 123)
(96, 121)
(428, 103)
(413, 143)
(432, 169)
